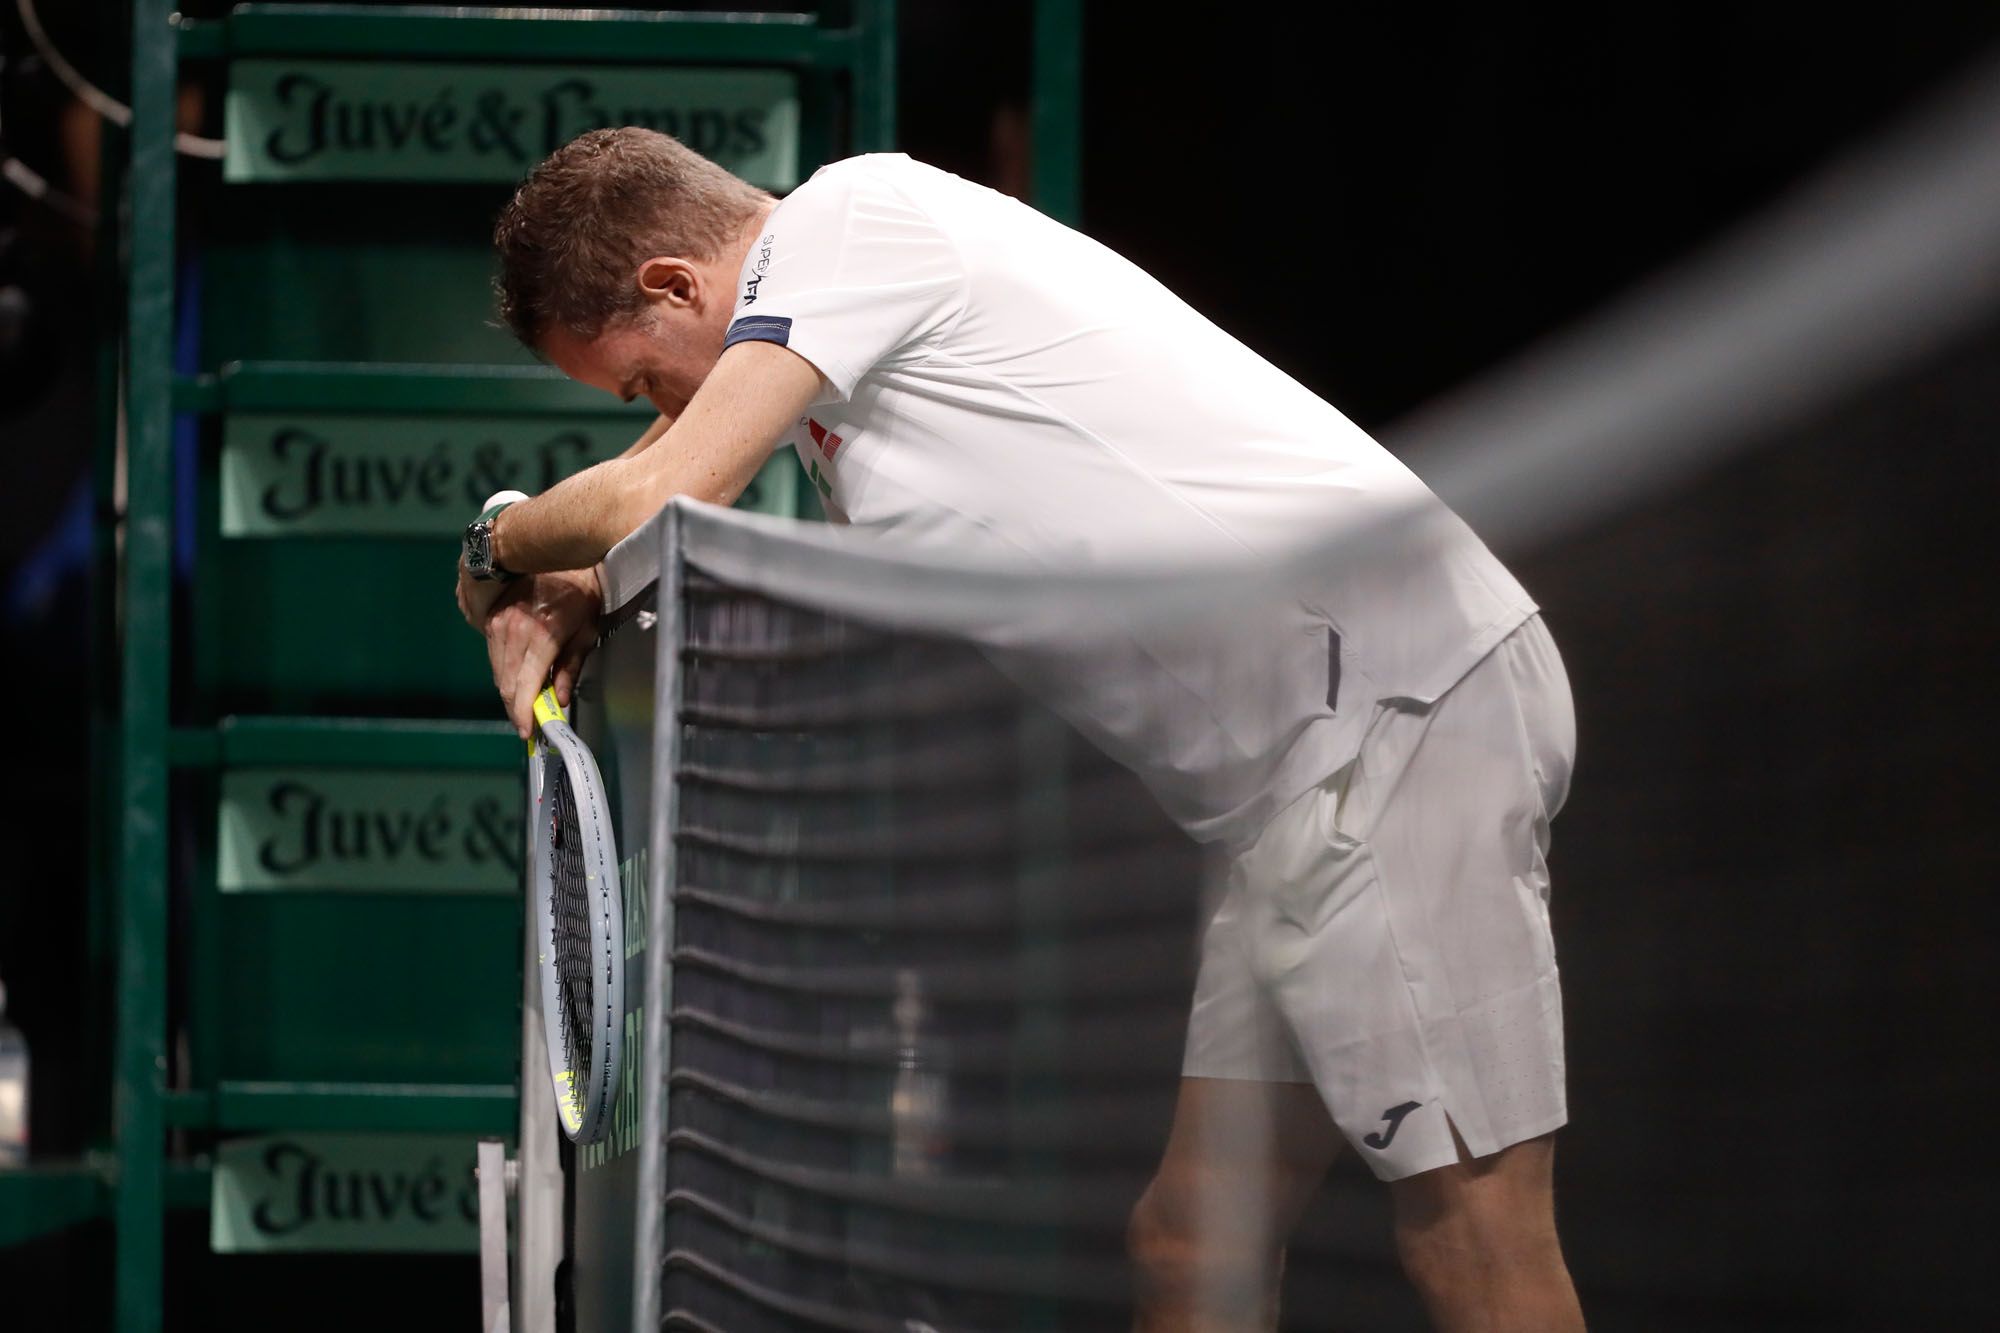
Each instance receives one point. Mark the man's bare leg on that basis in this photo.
(1478, 1240)
(1208, 1236)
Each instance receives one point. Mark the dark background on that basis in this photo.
(1774, 880)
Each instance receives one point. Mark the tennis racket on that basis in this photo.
(580, 915)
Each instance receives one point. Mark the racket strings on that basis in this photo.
(569, 904)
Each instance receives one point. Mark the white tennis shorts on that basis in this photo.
(1386, 938)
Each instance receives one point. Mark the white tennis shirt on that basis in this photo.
(998, 382)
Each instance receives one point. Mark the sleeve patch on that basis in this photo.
(759, 329)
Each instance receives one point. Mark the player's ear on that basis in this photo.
(664, 278)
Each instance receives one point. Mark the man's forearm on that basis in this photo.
(573, 524)
(569, 526)
(653, 432)
(578, 511)
(710, 452)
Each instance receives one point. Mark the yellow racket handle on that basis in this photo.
(546, 710)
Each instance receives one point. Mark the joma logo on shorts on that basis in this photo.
(1381, 1139)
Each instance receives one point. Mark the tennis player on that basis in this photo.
(1379, 761)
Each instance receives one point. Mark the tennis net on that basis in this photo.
(930, 964)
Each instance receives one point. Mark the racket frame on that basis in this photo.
(583, 1111)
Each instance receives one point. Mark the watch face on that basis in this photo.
(479, 549)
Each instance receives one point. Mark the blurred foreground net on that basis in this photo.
(931, 968)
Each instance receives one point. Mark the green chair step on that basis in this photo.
(471, 33)
(346, 742)
(377, 388)
(51, 1196)
(302, 1107)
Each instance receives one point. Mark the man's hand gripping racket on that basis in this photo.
(538, 635)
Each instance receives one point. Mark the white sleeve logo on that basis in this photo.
(756, 277)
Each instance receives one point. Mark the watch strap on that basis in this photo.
(498, 501)
(491, 570)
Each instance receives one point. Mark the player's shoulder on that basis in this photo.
(886, 176)
(885, 167)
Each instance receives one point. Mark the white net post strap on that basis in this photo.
(492, 1165)
(538, 1241)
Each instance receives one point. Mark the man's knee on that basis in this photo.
(1163, 1236)
(1207, 1237)
(1184, 1260)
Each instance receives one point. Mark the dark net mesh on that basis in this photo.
(569, 903)
(932, 965)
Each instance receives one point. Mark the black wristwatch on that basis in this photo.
(479, 541)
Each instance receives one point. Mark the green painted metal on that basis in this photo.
(398, 389)
(348, 742)
(53, 1195)
(241, 1106)
(205, 1009)
(187, 1184)
(385, 636)
(205, 650)
(471, 33)
(49, 1197)
(145, 676)
(352, 989)
(874, 77)
(364, 273)
(1057, 110)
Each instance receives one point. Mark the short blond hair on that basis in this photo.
(571, 239)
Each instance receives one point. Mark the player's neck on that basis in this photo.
(752, 232)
